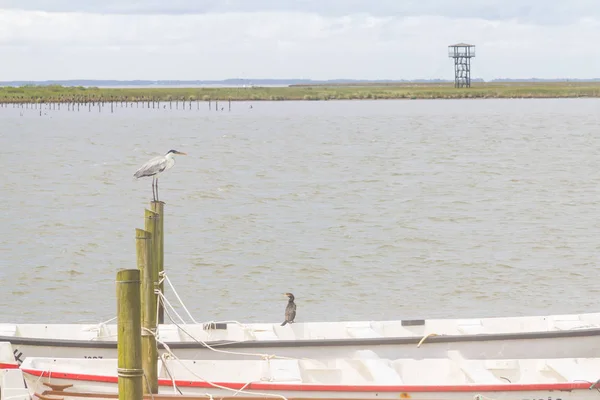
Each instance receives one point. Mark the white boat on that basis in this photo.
(364, 376)
(552, 336)
(12, 385)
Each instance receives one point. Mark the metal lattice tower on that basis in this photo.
(462, 54)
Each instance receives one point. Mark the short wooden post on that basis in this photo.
(129, 346)
(148, 300)
(159, 247)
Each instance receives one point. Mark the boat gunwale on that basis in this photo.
(397, 340)
(308, 387)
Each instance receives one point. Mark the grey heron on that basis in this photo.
(155, 166)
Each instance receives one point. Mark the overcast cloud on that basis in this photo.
(377, 39)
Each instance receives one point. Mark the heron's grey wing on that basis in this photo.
(152, 167)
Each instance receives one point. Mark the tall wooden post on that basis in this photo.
(148, 300)
(129, 346)
(151, 220)
(159, 244)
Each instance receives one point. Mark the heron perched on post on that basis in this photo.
(155, 166)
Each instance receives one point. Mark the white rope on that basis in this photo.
(236, 392)
(261, 355)
(98, 328)
(215, 385)
(49, 370)
(265, 356)
(164, 299)
(148, 386)
(166, 367)
(482, 397)
(165, 277)
(208, 326)
(168, 349)
(107, 321)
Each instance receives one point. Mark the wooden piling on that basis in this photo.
(129, 346)
(159, 243)
(152, 225)
(148, 304)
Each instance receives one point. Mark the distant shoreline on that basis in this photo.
(345, 91)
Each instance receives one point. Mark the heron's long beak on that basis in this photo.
(182, 153)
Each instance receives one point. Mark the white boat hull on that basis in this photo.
(361, 378)
(269, 391)
(492, 349)
(553, 336)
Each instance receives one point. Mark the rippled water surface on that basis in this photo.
(362, 209)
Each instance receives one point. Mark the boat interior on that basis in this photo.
(365, 369)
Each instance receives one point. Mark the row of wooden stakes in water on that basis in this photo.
(77, 105)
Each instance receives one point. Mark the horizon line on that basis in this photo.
(264, 81)
(284, 80)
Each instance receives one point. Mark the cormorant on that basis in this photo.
(290, 310)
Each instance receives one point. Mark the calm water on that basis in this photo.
(364, 210)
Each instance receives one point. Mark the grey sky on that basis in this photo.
(536, 11)
(376, 39)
